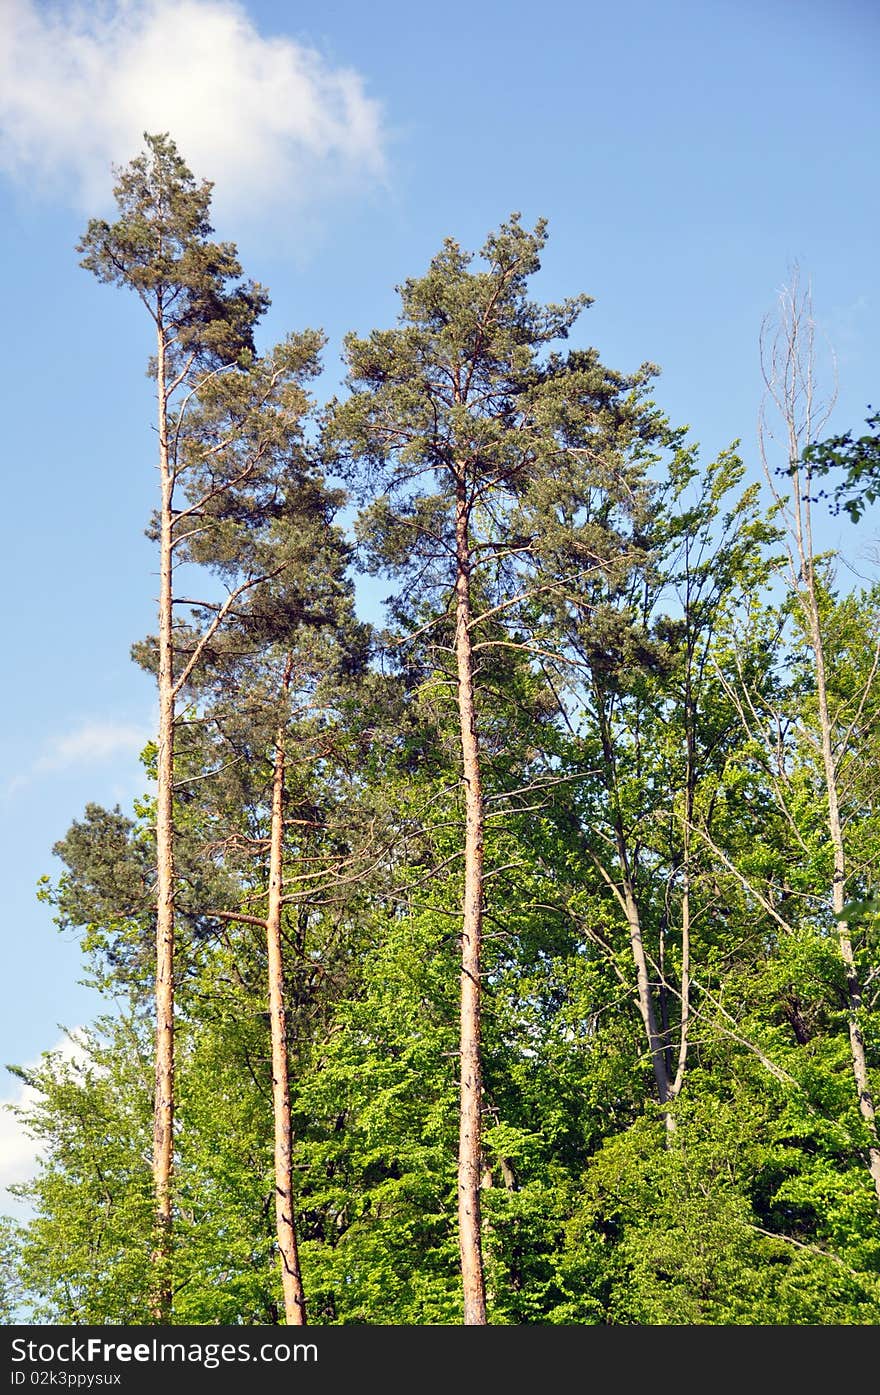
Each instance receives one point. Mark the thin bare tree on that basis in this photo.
(794, 405)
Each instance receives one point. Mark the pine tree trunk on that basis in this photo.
(163, 1103)
(469, 1145)
(285, 1226)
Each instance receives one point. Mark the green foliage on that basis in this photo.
(649, 726)
(86, 1255)
(12, 1283)
(673, 1230)
(858, 459)
(160, 248)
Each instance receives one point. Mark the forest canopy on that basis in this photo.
(514, 959)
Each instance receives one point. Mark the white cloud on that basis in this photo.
(18, 1150)
(269, 119)
(91, 743)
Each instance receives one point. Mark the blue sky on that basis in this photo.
(686, 154)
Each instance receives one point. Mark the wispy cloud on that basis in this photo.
(88, 744)
(272, 120)
(91, 743)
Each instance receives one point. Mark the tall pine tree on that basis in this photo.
(204, 316)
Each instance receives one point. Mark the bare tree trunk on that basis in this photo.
(685, 982)
(663, 931)
(285, 1227)
(656, 1041)
(163, 1103)
(788, 364)
(643, 985)
(469, 1145)
(675, 1082)
(853, 986)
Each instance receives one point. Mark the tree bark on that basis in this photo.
(285, 1226)
(657, 1044)
(853, 986)
(469, 1145)
(689, 799)
(163, 1103)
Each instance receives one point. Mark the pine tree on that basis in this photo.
(204, 318)
(258, 697)
(469, 431)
